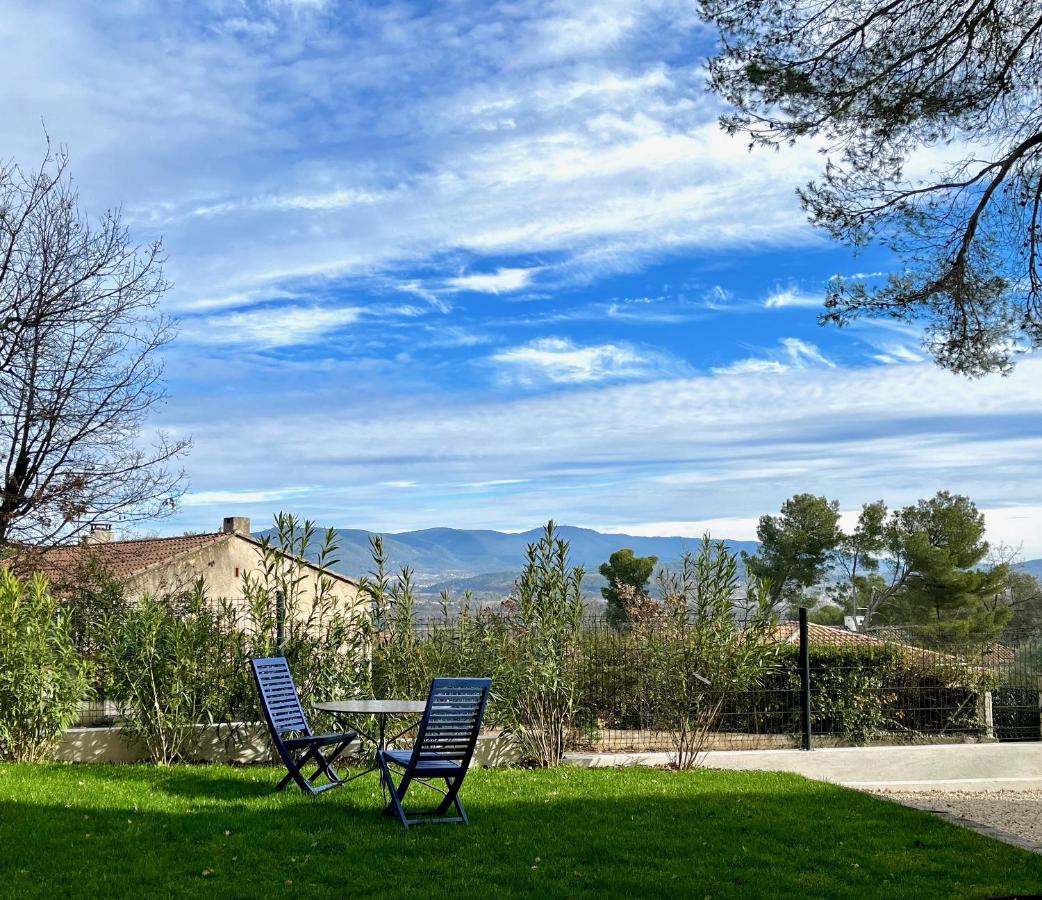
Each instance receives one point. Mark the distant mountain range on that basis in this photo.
(488, 561)
(1033, 567)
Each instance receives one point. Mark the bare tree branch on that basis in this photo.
(80, 373)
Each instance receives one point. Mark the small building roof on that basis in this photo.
(993, 656)
(128, 559)
(789, 633)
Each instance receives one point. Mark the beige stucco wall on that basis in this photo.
(222, 565)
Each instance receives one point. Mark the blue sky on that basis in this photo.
(483, 264)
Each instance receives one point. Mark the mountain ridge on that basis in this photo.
(1032, 567)
(440, 554)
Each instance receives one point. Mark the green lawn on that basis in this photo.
(134, 831)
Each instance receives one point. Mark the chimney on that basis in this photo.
(100, 533)
(236, 525)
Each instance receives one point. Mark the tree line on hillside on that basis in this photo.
(926, 565)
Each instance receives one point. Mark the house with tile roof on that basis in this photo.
(166, 565)
(993, 656)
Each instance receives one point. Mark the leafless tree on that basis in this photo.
(80, 331)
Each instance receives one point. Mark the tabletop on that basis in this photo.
(374, 707)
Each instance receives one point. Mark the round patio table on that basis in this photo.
(350, 711)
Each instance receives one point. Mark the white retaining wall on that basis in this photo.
(240, 742)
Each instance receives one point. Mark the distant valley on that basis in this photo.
(486, 562)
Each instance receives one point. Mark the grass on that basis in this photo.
(132, 831)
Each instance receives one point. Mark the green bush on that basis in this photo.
(42, 677)
(328, 645)
(174, 662)
(470, 645)
(543, 669)
(170, 664)
(859, 693)
(695, 650)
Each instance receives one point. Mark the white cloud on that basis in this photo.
(216, 498)
(734, 528)
(560, 361)
(342, 198)
(897, 354)
(751, 366)
(238, 299)
(270, 326)
(895, 343)
(804, 353)
(860, 276)
(279, 149)
(502, 281)
(734, 447)
(791, 354)
(791, 297)
(1018, 527)
(718, 297)
(455, 336)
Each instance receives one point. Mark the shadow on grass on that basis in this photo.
(206, 783)
(534, 835)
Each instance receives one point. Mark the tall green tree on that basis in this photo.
(796, 548)
(946, 589)
(858, 555)
(875, 83)
(628, 577)
(1022, 594)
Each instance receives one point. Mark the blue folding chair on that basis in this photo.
(284, 715)
(443, 749)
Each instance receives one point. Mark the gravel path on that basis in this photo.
(1007, 815)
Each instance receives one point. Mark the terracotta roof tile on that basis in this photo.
(789, 633)
(124, 559)
(994, 656)
(999, 655)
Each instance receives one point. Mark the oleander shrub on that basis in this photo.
(470, 644)
(42, 676)
(172, 663)
(541, 678)
(695, 649)
(326, 640)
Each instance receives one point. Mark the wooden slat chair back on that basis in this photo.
(444, 748)
(284, 716)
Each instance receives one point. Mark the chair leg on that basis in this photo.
(328, 762)
(313, 755)
(397, 793)
(452, 799)
(292, 772)
(295, 771)
(325, 768)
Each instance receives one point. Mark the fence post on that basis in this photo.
(804, 678)
(280, 622)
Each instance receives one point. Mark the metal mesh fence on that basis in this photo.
(887, 687)
(883, 688)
